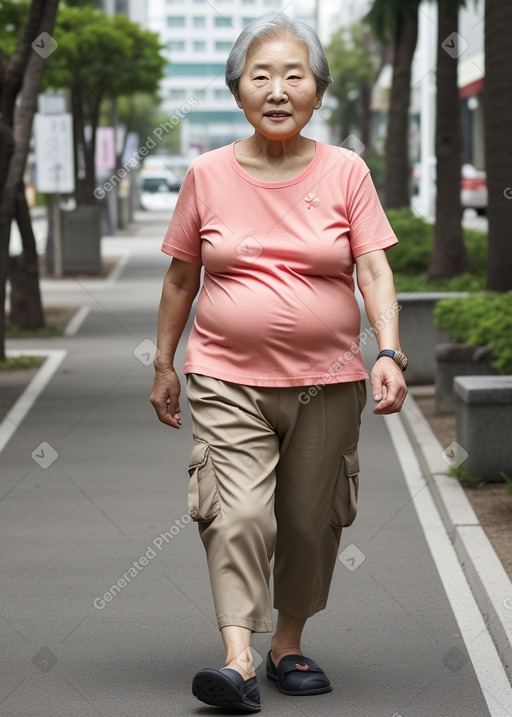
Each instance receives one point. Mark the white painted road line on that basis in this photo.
(19, 410)
(488, 668)
(76, 321)
(118, 268)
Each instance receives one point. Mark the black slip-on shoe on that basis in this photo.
(227, 688)
(298, 675)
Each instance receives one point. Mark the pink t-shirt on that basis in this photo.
(277, 305)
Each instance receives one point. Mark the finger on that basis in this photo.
(381, 393)
(393, 404)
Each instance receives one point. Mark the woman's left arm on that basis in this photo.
(375, 280)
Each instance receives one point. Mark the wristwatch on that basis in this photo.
(398, 357)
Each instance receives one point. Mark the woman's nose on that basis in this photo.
(277, 91)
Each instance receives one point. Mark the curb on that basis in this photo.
(484, 572)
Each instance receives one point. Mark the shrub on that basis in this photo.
(411, 256)
(480, 319)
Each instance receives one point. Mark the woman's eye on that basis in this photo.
(294, 77)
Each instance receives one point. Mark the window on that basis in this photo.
(177, 94)
(223, 46)
(221, 21)
(194, 70)
(247, 20)
(176, 45)
(222, 94)
(176, 21)
(199, 46)
(199, 21)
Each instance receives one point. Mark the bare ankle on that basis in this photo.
(242, 663)
(246, 673)
(280, 650)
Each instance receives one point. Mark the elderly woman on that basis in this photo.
(274, 374)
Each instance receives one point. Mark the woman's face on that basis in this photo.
(277, 88)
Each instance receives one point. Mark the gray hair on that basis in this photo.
(270, 25)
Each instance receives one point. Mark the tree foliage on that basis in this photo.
(100, 58)
(13, 16)
(354, 61)
(139, 113)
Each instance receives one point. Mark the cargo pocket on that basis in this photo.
(344, 502)
(203, 493)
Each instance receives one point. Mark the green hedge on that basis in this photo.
(410, 258)
(480, 319)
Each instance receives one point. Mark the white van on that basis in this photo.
(160, 181)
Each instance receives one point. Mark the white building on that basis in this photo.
(198, 35)
(136, 10)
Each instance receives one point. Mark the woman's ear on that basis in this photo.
(236, 95)
(319, 99)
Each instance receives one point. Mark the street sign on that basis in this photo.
(54, 154)
(105, 158)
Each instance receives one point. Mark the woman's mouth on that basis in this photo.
(277, 116)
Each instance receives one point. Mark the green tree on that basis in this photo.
(21, 71)
(354, 60)
(139, 113)
(498, 141)
(99, 58)
(449, 256)
(396, 21)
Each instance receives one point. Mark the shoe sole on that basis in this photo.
(215, 692)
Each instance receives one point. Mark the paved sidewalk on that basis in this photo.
(93, 495)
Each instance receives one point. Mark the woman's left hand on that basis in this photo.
(388, 386)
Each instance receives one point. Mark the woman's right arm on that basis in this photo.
(181, 284)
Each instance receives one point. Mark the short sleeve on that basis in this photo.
(183, 237)
(369, 226)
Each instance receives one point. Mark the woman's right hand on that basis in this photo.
(165, 397)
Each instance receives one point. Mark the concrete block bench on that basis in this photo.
(458, 360)
(418, 334)
(484, 424)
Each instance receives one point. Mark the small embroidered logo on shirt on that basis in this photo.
(311, 200)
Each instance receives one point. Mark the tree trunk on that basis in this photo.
(449, 256)
(397, 145)
(42, 14)
(498, 141)
(26, 305)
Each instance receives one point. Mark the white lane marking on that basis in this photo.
(19, 410)
(118, 268)
(77, 320)
(489, 670)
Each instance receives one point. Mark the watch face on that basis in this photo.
(401, 360)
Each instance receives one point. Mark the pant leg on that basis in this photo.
(231, 495)
(316, 492)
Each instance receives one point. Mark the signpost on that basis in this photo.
(55, 167)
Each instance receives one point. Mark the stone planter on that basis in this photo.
(484, 417)
(418, 334)
(81, 236)
(453, 360)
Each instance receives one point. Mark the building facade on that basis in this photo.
(198, 35)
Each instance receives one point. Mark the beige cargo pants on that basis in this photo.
(274, 472)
